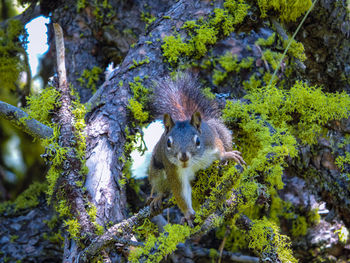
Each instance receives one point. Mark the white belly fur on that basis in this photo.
(188, 174)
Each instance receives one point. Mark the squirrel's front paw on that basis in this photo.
(155, 204)
(236, 156)
(188, 218)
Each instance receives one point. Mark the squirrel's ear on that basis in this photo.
(168, 122)
(196, 120)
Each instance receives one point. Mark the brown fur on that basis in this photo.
(181, 98)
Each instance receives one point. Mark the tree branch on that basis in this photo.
(117, 231)
(22, 120)
(67, 139)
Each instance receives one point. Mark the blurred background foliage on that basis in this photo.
(20, 162)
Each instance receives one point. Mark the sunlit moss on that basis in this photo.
(73, 227)
(166, 243)
(203, 34)
(92, 212)
(41, 106)
(343, 234)
(138, 101)
(289, 10)
(266, 42)
(340, 161)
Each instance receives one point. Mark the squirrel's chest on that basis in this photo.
(205, 160)
(198, 163)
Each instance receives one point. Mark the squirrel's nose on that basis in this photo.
(184, 157)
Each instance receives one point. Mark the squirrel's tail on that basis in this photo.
(182, 97)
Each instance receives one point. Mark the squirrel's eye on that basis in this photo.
(169, 142)
(197, 141)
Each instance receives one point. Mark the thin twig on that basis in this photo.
(21, 119)
(291, 41)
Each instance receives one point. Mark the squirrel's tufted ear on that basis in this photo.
(168, 122)
(196, 120)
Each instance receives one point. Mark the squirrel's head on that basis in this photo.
(183, 142)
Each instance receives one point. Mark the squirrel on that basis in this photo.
(194, 137)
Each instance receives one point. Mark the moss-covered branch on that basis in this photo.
(117, 231)
(81, 221)
(20, 118)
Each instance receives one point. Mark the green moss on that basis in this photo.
(13, 238)
(139, 63)
(55, 238)
(173, 47)
(230, 63)
(139, 100)
(213, 254)
(148, 18)
(266, 42)
(41, 106)
(208, 94)
(166, 244)
(81, 4)
(147, 229)
(289, 10)
(203, 34)
(313, 217)
(92, 212)
(264, 236)
(52, 223)
(272, 58)
(340, 161)
(90, 78)
(303, 109)
(343, 234)
(296, 49)
(299, 227)
(73, 228)
(26, 200)
(101, 10)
